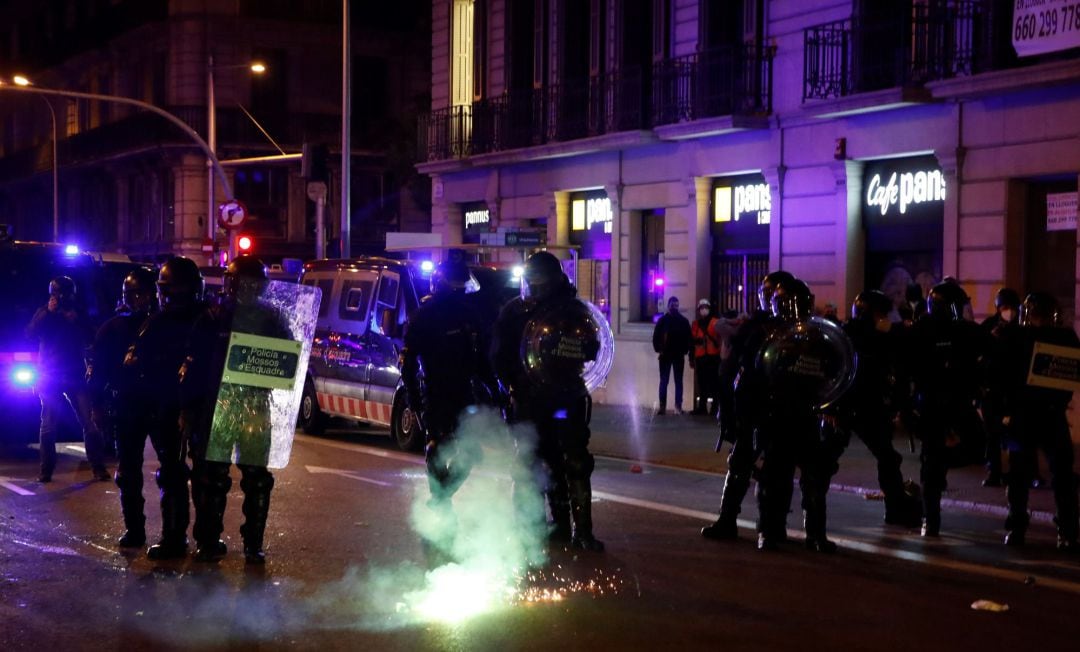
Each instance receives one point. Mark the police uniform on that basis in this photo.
(447, 339)
(944, 355)
(246, 424)
(128, 418)
(561, 414)
(150, 371)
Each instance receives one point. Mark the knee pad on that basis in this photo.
(580, 464)
(256, 478)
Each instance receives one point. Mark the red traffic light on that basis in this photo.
(244, 244)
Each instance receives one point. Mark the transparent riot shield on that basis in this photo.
(262, 380)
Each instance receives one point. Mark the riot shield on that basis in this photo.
(263, 374)
(566, 344)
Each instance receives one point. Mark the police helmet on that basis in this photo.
(451, 275)
(792, 300)
(543, 273)
(140, 281)
(240, 268)
(870, 305)
(180, 283)
(62, 287)
(768, 286)
(1039, 309)
(1007, 298)
(946, 301)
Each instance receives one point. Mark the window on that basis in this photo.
(326, 287)
(355, 295)
(651, 287)
(461, 76)
(388, 319)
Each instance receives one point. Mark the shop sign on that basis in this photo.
(587, 213)
(904, 190)
(1061, 211)
(751, 202)
(477, 218)
(476, 221)
(1041, 26)
(1055, 367)
(532, 238)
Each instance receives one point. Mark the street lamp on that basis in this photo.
(20, 80)
(256, 67)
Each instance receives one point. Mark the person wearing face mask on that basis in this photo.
(992, 402)
(705, 358)
(870, 405)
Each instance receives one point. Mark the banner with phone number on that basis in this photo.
(1041, 26)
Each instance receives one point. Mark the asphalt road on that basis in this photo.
(346, 571)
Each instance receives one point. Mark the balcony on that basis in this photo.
(559, 113)
(854, 56)
(724, 81)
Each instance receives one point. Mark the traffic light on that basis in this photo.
(313, 162)
(244, 243)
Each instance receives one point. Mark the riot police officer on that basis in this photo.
(240, 309)
(150, 376)
(114, 403)
(560, 411)
(1036, 419)
(447, 338)
(996, 327)
(945, 352)
(63, 333)
(870, 405)
(789, 431)
(737, 426)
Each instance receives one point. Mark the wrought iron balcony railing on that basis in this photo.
(559, 113)
(722, 81)
(936, 41)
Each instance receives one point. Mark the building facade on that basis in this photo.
(130, 182)
(687, 146)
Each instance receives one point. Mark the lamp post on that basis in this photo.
(20, 80)
(211, 140)
(180, 124)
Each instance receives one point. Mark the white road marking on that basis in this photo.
(78, 448)
(346, 474)
(8, 484)
(843, 542)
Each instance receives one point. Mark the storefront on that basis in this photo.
(475, 221)
(591, 221)
(903, 214)
(741, 213)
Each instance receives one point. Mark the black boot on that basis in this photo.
(559, 528)
(726, 527)
(131, 506)
(581, 510)
(1016, 524)
(814, 526)
(210, 484)
(931, 526)
(904, 511)
(257, 482)
(172, 482)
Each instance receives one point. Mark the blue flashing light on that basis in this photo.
(23, 376)
(518, 271)
(71, 250)
(427, 267)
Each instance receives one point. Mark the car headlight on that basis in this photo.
(23, 375)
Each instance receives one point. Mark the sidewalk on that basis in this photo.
(688, 442)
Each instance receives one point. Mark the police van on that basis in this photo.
(353, 371)
(25, 271)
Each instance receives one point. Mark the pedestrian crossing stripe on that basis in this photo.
(354, 408)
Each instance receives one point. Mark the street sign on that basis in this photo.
(536, 238)
(208, 246)
(232, 214)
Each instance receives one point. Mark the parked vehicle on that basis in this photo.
(353, 372)
(26, 269)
